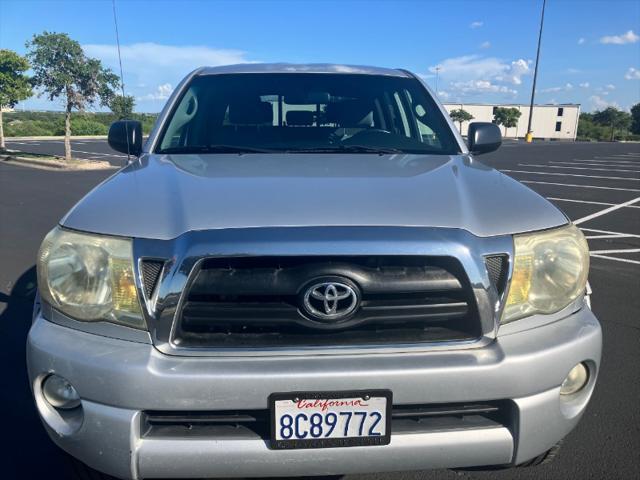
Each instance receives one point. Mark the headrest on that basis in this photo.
(351, 114)
(302, 118)
(250, 112)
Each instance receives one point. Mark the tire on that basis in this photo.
(80, 471)
(543, 458)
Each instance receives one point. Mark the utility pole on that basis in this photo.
(535, 76)
(437, 72)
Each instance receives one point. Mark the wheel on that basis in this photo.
(543, 458)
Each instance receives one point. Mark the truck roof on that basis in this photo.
(301, 68)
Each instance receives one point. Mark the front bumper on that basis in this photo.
(119, 380)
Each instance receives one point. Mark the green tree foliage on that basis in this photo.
(460, 116)
(23, 124)
(589, 130)
(122, 106)
(635, 119)
(62, 70)
(507, 117)
(614, 119)
(14, 84)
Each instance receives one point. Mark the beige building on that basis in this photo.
(549, 121)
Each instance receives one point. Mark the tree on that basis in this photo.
(460, 116)
(614, 119)
(589, 130)
(635, 119)
(122, 106)
(62, 70)
(508, 117)
(14, 84)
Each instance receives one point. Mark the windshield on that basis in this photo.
(317, 113)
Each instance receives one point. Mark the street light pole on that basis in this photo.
(437, 75)
(535, 76)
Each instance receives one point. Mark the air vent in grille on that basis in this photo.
(150, 274)
(257, 302)
(498, 268)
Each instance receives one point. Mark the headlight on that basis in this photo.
(89, 277)
(550, 271)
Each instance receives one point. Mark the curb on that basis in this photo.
(57, 165)
(57, 137)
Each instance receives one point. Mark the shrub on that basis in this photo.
(52, 123)
(85, 126)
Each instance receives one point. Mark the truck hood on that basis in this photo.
(164, 196)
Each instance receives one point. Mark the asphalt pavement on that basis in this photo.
(86, 149)
(596, 185)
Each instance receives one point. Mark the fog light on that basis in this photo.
(60, 393)
(576, 380)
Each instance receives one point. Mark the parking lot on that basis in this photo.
(596, 185)
(87, 149)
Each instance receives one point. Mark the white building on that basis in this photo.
(549, 121)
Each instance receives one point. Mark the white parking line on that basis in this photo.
(625, 260)
(617, 250)
(601, 160)
(590, 202)
(581, 186)
(632, 235)
(577, 168)
(614, 158)
(598, 237)
(562, 174)
(581, 163)
(605, 211)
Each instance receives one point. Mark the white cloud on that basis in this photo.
(573, 70)
(163, 65)
(515, 72)
(599, 103)
(610, 87)
(472, 87)
(628, 37)
(581, 41)
(476, 67)
(162, 92)
(584, 85)
(486, 44)
(567, 87)
(632, 74)
(476, 24)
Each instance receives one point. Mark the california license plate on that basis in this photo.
(330, 419)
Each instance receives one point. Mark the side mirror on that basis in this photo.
(126, 136)
(483, 137)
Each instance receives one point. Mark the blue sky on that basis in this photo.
(484, 49)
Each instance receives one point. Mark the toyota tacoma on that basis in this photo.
(303, 271)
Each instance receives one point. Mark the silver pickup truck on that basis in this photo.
(305, 271)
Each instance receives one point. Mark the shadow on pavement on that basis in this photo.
(27, 451)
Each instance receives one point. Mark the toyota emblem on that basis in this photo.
(330, 300)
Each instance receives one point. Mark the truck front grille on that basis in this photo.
(259, 302)
(255, 423)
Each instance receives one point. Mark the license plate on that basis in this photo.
(330, 419)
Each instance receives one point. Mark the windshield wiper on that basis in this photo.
(348, 149)
(186, 149)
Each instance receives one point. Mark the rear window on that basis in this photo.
(306, 113)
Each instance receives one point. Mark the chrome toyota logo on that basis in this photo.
(330, 300)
